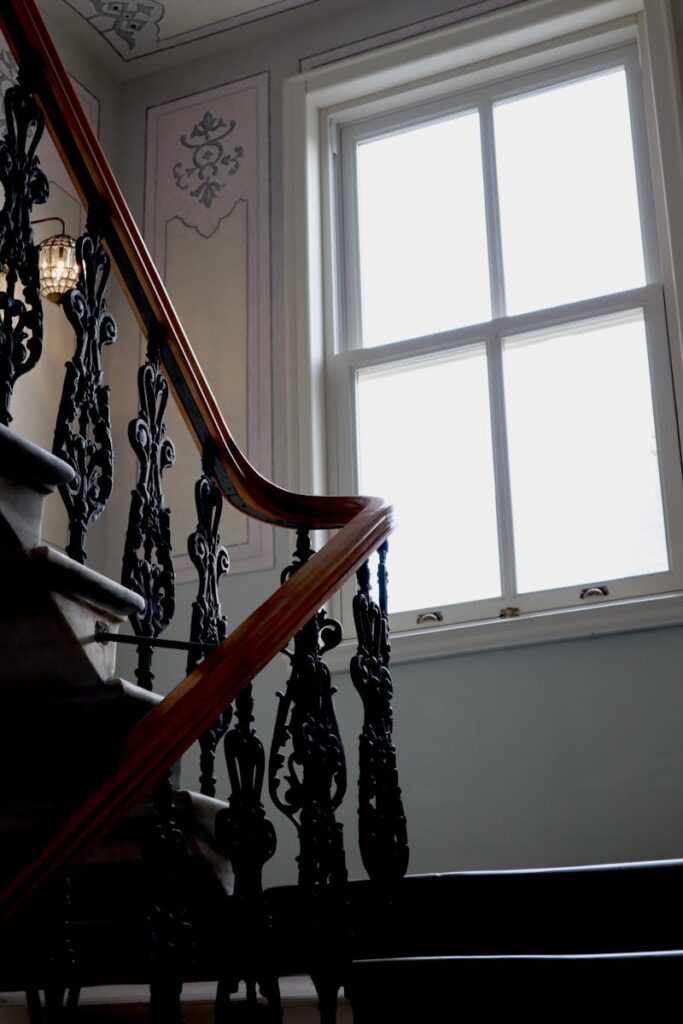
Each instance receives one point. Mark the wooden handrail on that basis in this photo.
(363, 523)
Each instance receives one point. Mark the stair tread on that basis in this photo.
(67, 576)
(27, 463)
(204, 809)
(612, 986)
(572, 911)
(405, 961)
(134, 692)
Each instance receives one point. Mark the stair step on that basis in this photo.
(625, 907)
(538, 989)
(84, 598)
(27, 475)
(204, 810)
(112, 890)
(72, 579)
(29, 464)
(77, 736)
(132, 692)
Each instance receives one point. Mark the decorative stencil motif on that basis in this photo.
(209, 158)
(135, 28)
(132, 21)
(211, 154)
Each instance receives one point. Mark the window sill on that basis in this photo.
(527, 630)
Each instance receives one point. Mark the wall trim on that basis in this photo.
(639, 614)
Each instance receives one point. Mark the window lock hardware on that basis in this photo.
(601, 591)
(425, 617)
(509, 613)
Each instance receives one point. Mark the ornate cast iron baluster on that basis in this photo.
(381, 820)
(24, 184)
(83, 430)
(50, 951)
(308, 756)
(170, 931)
(147, 559)
(247, 838)
(209, 626)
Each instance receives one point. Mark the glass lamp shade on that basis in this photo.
(58, 266)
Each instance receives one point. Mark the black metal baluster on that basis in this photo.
(83, 430)
(307, 755)
(50, 951)
(382, 828)
(209, 626)
(24, 185)
(247, 838)
(147, 558)
(170, 931)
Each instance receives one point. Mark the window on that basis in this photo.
(497, 357)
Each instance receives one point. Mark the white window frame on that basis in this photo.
(519, 40)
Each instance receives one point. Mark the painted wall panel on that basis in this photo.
(207, 222)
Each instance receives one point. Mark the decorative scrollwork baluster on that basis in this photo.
(24, 185)
(147, 559)
(247, 839)
(209, 626)
(83, 430)
(50, 950)
(307, 755)
(381, 819)
(170, 930)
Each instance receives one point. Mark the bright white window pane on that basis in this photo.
(568, 203)
(586, 495)
(422, 227)
(425, 445)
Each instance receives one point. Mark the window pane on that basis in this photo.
(422, 228)
(586, 494)
(569, 208)
(425, 445)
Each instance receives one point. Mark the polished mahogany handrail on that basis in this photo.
(363, 523)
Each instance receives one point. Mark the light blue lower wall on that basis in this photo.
(565, 753)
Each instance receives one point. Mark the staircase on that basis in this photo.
(109, 874)
(67, 717)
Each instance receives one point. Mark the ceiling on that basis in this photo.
(139, 28)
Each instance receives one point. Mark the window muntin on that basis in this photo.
(648, 300)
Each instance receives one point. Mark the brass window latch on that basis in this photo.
(509, 613)
(601, 591)
(425, 617)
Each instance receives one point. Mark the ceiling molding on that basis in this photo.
(136, 29)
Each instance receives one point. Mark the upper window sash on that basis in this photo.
(349, 291)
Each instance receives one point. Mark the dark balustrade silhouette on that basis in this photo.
(306, 771)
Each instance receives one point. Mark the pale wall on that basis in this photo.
(556, 754)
